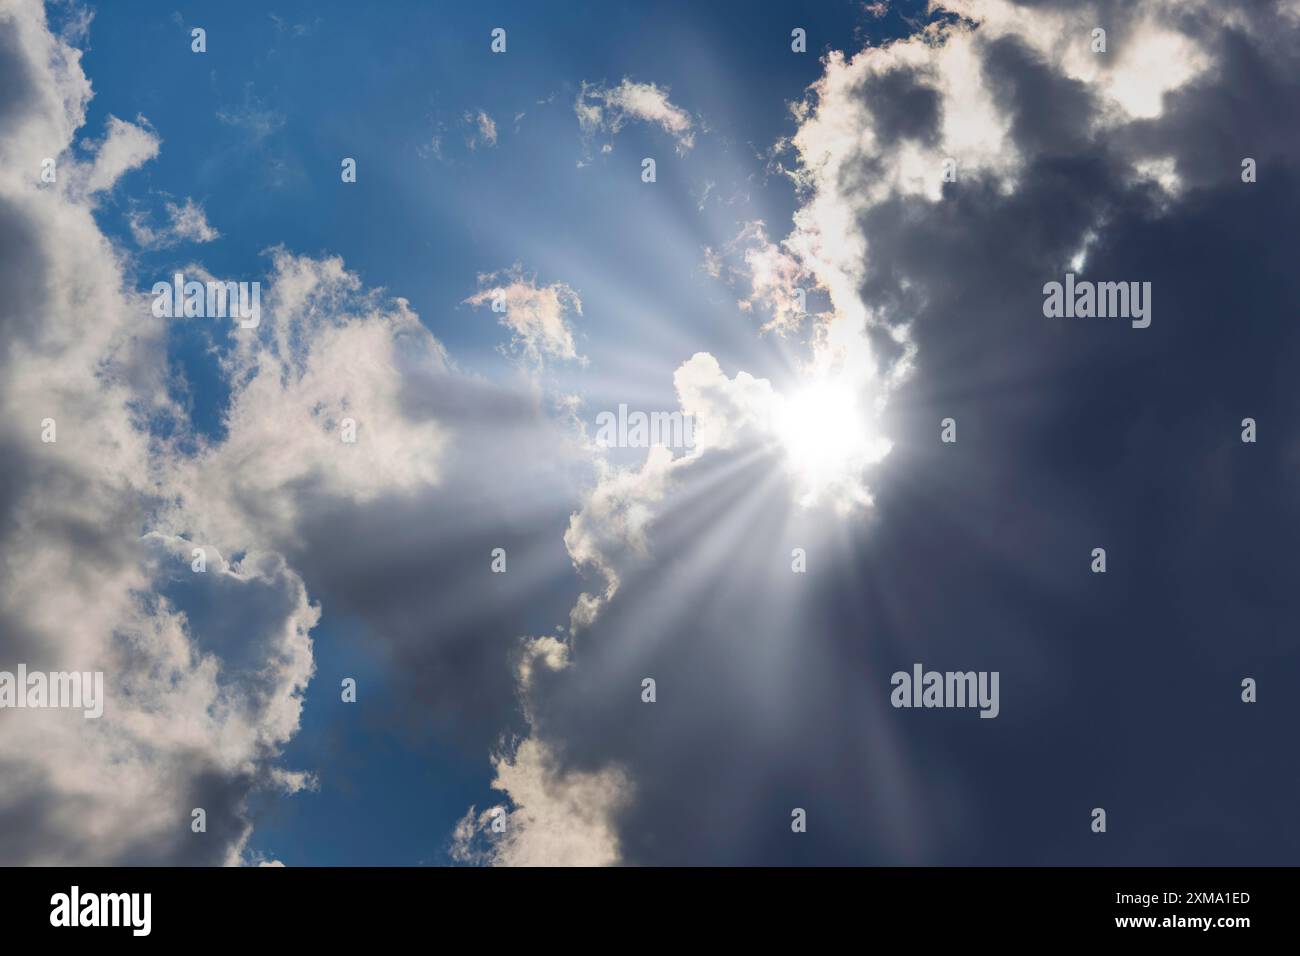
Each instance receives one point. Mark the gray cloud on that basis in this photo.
(772, 687)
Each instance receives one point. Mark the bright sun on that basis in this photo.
(827, 438)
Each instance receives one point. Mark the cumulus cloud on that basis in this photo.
(380, 527)
(553, 819)
(189, 721)
(612, 522)
(325, 365)
(200, 702)
(740, 412)
(885, 126)
(607, 109)
(933, 288)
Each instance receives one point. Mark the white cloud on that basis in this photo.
(126, 146)
(484, 129)
(1146, 57)
(324, 352)
(772, 272)
(197, 709)
(432, 148)
(606, 109)
(612, 524)
(186, 223)
(555, 818)
(537, 315)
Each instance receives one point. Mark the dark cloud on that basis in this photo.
(1118, 690)
(903, 106)
(416, 571)
(1049, 113)
(16, 78)
(222, 796)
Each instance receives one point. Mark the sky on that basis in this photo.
(369, 582)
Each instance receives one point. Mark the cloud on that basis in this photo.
(396, 530)
(252, 116)
(484, 130)
(537, 315)
(206, 673)
(612, 522)
(126, 146)
(741, 414)
(329, 359)
(934, 309)
(607, 109)
(193, 717)
(878, 129)
(186, 223)
(433, 147)
(773, 274)
(554, 819)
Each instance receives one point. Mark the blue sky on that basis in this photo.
(423, 227)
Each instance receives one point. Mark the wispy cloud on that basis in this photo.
(538, 315)
(253, 116)
(483, 130)
(186, 222)
(125, 146)
(607, 109)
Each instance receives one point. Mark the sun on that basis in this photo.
(829, 438)
(818, 425)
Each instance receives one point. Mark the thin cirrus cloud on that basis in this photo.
(252, 115)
